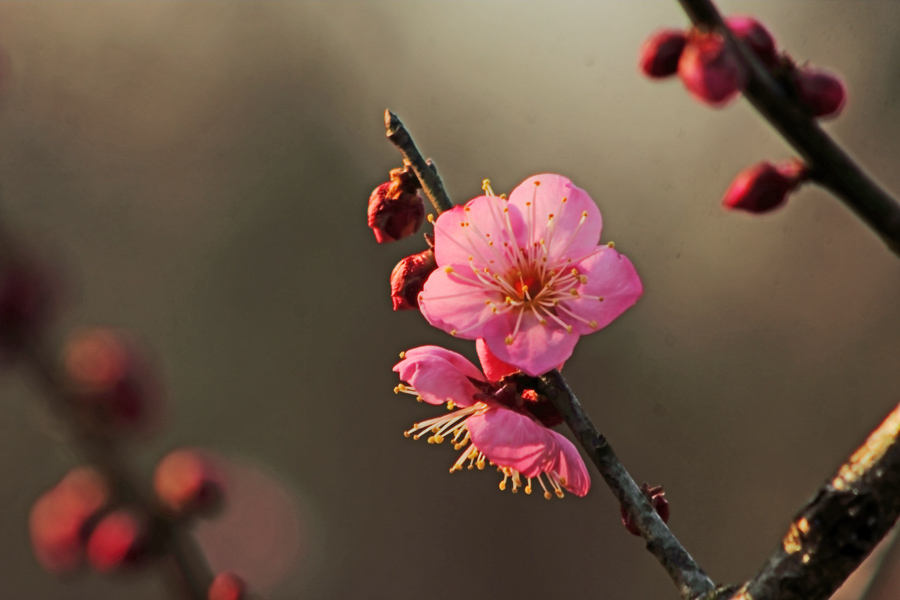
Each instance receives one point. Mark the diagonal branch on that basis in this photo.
(830, 166)
(425, 170)
(690, 579)
(839, 527)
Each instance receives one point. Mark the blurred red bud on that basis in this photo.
(60, 518)
(660, 53)
(764, 186)
(754, 34)
(226, 586)
(823, 92)
(408, 278)
(396, 210)
(709, 70)
(657, 498)
(111, 379)
(186, 481)
(118, 540)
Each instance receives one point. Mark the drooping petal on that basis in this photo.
(535, 348)
(455, 301)
(569, 467)
(494, 368)
(513, 440)
(574, 229)
(610, 276)
(439, 375)
(476, 233)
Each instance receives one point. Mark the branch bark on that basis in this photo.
(830, 166)
(426, 171)
(688, 577)
(839, 527)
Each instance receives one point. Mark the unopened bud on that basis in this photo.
(118, 540)
(660, 53)
(396, 210)
(60, 517)
(657, 498)
(110, 379)
(710, 71)
(408, 278)
(186, 481)
(754, 34)
(764, 186)
(226, 586)
(822, 92)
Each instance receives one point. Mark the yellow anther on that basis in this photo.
(480, 464)
(448, 269)
(584, 214)
(559, 494)
(565, 199)
(549, 218)
(543, 321)
(438, 439)
(453, 332)
(611, 244)
(528, 489)
(573, 292)
(547, 495)
(451, 405)
(528, 204)
(430, 218)
(406, 434)
(503, 196)
(600, 298)
(403, 354)
(430, 439)
(508, 340)
(537, 183)
(420, 399)
(583, 278)
(562, 481)
(593, 324)
(568, 328)
(502, 485)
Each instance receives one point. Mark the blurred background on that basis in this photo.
(201, 171)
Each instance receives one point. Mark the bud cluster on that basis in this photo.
(714, 74)
(396, 210)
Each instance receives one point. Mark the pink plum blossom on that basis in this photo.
(526, 273)
(501, 422)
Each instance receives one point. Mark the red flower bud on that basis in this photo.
(660, 53)
(754, 34)
(709, 70)
(186, 481)
(657, 498)
(823, 92)
(60, 517)
(396, 210)
(408, 279)
(226, 586)
(764, 186)
(110, 379)
(118, 540)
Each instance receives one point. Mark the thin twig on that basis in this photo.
(830, 165)
(426, 171)
(690, 579)
(839, 527)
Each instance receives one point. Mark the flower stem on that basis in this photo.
(690, 579)
(426, 171)
(830, 166)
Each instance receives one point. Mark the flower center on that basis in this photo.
(526, 286)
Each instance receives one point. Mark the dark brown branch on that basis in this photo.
(691, 581)
(425, 170)
(830, 166)
(839, 527)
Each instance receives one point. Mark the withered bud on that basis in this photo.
(408, 278)
(822, 92)
(657, 498)
(764, 186)
(660, 53)
(396, 210)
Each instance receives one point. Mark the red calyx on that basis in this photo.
(764, 186)
(709, 70)
(754, 34)
(186, 481)
(656, 497)
(660, 53)
(396, 210)
(820, 91)
(118, 540)
(408, 278)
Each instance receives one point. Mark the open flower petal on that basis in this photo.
(536, 349)
(610, 276)
(569, 467)
(439, 375)
(512, 440)
(478, 232)
(558, 213)
(452, 301)
(494, 368)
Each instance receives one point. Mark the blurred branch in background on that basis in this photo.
(829, 165)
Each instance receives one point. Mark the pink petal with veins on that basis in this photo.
(439, 375)
(510, 439)
(612, 277)
(537, 348)
(570, 467)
